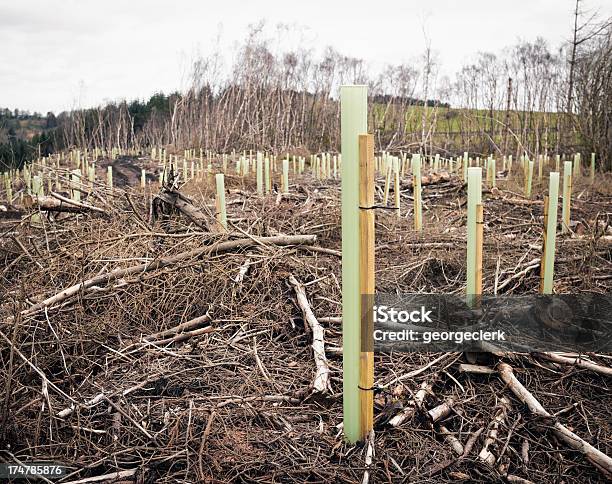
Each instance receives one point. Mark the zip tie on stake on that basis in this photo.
(373, 207)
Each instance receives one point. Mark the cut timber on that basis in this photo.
(218, 248)
(321, 381)
(600, 460)
(58, 203)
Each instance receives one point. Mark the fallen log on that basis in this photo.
(58, 203)
(321, 383)
(217, 248)
(600, 460)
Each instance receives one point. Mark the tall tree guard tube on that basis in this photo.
(353, 122)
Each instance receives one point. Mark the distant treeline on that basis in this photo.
(529, 98)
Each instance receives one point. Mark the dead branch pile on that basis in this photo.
(157, 351)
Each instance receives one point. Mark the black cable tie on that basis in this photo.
(373, 207)
(366, 389)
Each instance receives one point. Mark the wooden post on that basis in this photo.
(416, 192)
(567, 195)
(474, 199)
(592, 168)
(366, 281)
(353, 122)
(479, 242)
(109, 177)
(143, 179)
(220, 201)
(550, 233)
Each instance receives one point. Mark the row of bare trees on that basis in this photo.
(528, 98)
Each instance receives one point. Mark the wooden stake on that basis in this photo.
(109, 176)
(479, 242)
(366, 279)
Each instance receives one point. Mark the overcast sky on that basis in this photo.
(58, 54)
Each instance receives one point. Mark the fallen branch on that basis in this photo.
(321, 382)
(441, 411)
(369, 457)
(114, 476)
(578, 361)
(600, 460)
(485, 454)
(416, 403)
(181, 328)
(59, 203)
(452, 440)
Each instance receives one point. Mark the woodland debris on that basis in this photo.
(321, 383)
(59, 203)
(216, 248)
(441, 411)
(166, 200)
(578, 362)
(600, 460)
(413, 405)
(453, 441)
(485, 454)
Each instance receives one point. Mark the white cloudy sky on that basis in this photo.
(57, 54)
